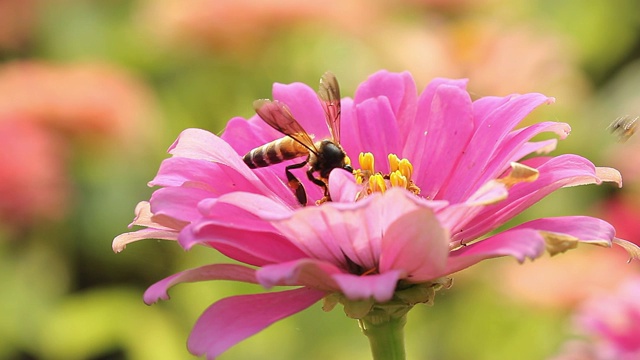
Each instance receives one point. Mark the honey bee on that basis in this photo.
(322, 156)
(624, 127)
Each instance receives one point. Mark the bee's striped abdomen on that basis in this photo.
(274, 152)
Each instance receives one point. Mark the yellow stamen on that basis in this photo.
(393, 162)
(376, 183)
(366, 162)
(397, 179)
(406, 168)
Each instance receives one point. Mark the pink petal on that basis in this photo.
(382, 138)
(444, 139)
(585, 228)
(234, 319)
(159, 290)
(509, 150)
(245, 245)
(180, 203)
(312, 273)
(557, 172)
(399, 89)
(305, 107)
(244, 135)
(217, 178)
(487, 137)
(380, 287)
(261, 207)
(413, 147)
(203, 145)
(349, 133)
(415, 244)
(519, 243)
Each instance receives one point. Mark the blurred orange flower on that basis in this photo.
(17, 18)
(243, 24)
(82, 100)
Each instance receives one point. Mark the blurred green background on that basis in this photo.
(92, 93)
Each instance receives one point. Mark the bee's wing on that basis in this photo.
(624, 127)
(329, 94)
(279, 117)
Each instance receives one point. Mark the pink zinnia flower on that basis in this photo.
(437, 173)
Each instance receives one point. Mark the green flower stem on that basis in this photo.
(386, 337)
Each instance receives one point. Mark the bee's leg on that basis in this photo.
(320, 183)
(295, 184)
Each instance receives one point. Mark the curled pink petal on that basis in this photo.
(519, 243)
(121, 241)
(159, 290)
(311, 273)
(233, 319)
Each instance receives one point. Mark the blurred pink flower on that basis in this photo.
(381, 237)
(96, 101)
(612, 322)
(33, 180)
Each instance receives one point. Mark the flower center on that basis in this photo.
(372, 181)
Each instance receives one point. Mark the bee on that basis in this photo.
(624, 127)
(322, 156)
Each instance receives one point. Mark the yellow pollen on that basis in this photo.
(347, 160)
(519, 173)
(400, 173)
(366, 162)
(377, 184)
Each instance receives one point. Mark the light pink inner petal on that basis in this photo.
(312, 273)
(305, 107)
(159, 290)
(245, 245)
(331, 234)
(378, 130)
(585, 228)
(380, 287)
(444, 139)
(399, 89)
(343, 187)
(555, 173)
(233, 319)
(519, 243)
(487, 137)
(416, 244)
